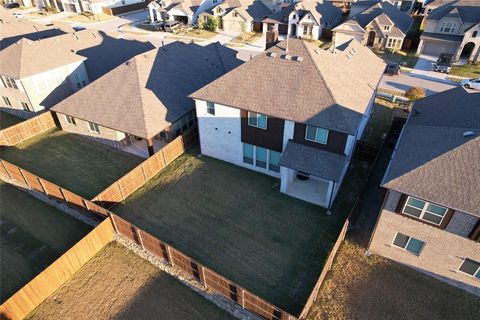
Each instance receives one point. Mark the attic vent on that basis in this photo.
(354, 49)
(286, 57)
(317, 51)
(349, 56)
(297, 58)
(467, 134)
(127, 63)
(272, 54)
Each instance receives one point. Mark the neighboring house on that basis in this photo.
(184, 11)
(294, 115)
(344, 5)
(430, 218)
(453, 28)
(144, 102)
(431, 5)
(379, 25)
(37, 74)
(95, 6)
(305, 19)
(238, 15)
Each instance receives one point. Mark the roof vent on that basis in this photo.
(354, 49)
(272, 54)
(127, 63)
(467, 134)
(286, 57)
(349, 56)
(298, 59)
(317, 51)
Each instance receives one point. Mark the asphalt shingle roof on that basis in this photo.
(320, 163)
(433, 159)
(466, 10)
(325, 89)
(149, 92)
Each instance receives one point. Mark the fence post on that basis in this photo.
(120, 189)
(203, 276)
(170, 255)
(113, 222)
(243, 298)
(163, 156)
(43, 187)
(64, 198)
(143, 171)
(140, 237)
(26, 182)
(85, 203)
(8, 172)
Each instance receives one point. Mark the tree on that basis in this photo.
(200, 23)
(211, 24)
(415, 93)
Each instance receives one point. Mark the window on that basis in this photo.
(470, 267)
(294, 17)
(274, 160)
(235, 14)
(474, 34)
(424, 210)
(211, 108)
(447, 27)
(80, 80)
(247, 153)
(261, 157)
(93, 127)
(25, 106)
(408, 243)
(393, 43)
(257, 120)
(9, 82)
(307, 30)
(386, 28)
(316, 134)
(71, 120)
(7, 101)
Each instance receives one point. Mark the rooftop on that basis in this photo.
(468, 11)
(322, 11)
(310, 89)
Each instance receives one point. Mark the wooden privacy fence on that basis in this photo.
(26, 129)
(326, 268)
(51, 279)
(135, 179)
(9, 171)
(208, 278)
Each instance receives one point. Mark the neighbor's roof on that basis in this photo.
(433, 160)
(249, 9)
(187, 6)
(349, 26)
(468, 11)
(401, 20)
(320, 163)
(322, 11)
(441, 37)
(26, 58)
(149, 92)
(325, 89)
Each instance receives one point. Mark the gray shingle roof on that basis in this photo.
(441, 37)
(433, 160)
(149, 92)
(320, 163)
(468, 11)
(325, 89)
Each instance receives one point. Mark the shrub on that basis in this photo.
(415, 93)
(211, 24)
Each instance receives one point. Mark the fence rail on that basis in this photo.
(26, 129)
(141, 174)
(54, 276)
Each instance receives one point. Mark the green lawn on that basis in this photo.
(7, 120)
(467, 70)
(78, 164)
(33, 235)
(236, 222)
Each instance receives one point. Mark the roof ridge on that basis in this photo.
(139, 88)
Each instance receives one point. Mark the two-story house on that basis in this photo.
(143, 103)
(184, 11)
(430, 218)
(37, 74)
(304, 19)
(453, 28)
(379, 25)
(294, 113)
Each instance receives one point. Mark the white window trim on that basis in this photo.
(424, 209)
(94, 125)
(326, 138)
(468, 274)
(254, 158)
(213, 108)
(406, 245)
(258, 114)
(68, 121)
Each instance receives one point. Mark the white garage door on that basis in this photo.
(435, 48)
(232, 26)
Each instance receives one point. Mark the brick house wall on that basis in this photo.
(443, 252)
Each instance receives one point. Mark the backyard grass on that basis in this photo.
(7, 120)
(78, 164)
(118, 284)
(247, 38)
(468, 70)
(236, 222)
(407, 58)
(361, 287)
(33, 235)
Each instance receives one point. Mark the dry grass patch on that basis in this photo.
(247, 38)
(89, 18)
(361, 287)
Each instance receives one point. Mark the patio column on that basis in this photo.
(150, 147)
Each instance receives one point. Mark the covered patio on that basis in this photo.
(311, 174)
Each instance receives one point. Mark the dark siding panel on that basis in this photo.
(475, 234)
(336, 140)
(446, 220)
(272, 138)
(401, 202)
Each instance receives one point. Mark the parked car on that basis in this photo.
(170, 26)
(444, 63)
(471, 83)
(392, 69)
(11, 5)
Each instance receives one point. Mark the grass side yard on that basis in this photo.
(78, 164)
(361, 287)
(33, 235)
(7, 120)
(467, 70)
(236, 222)
(247, 38)
(118, 284)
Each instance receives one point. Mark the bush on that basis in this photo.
(415, 93)
(211, 24)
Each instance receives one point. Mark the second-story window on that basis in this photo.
(447, 27)
(80, 80)
(211, 108)
(257, 120)
(70, 120)
(386, 28)
(25, 106)
(316, 134)
(94, 127)
(424, 210)
(9, 82)
(470, 267)
(7, 101)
